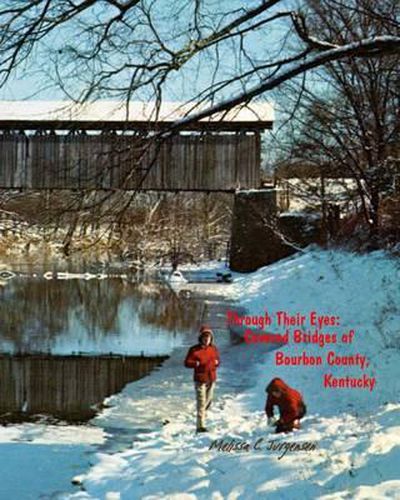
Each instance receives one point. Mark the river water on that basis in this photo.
(68, 345)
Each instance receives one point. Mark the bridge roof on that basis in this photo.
(105, 115)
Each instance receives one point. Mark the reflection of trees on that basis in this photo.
(30, 307)
(35, 312)
(99, 304)
(169, 311)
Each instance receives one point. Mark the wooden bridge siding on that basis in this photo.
(203, 162)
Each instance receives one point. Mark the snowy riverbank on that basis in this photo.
(30, 451)
(356, 431)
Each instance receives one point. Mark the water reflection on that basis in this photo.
(62, 341)
(112, 315)
(70, 388)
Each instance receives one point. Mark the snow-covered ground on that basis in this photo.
(355, 432)
(38, 459)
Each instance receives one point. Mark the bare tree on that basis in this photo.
(136, 48)
(214, 55)
(349, 122)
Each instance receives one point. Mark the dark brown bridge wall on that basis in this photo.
(184, 162)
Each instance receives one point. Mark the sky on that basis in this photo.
(31, 82)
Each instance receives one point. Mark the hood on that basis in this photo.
(206, 328)
(277, 384)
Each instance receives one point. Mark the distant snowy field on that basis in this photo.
(357, 432)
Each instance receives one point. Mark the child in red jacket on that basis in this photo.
(290, 403)
(204, 359)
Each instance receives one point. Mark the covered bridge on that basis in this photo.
(106, 145)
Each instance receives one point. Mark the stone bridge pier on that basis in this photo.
(261, 235)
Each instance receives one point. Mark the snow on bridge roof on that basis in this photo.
(37, 114)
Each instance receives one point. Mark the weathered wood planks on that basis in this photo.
(209, 162)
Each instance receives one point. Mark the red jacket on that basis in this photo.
(204, 360)
(291, 405)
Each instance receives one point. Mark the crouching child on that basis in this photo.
(289, 402)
